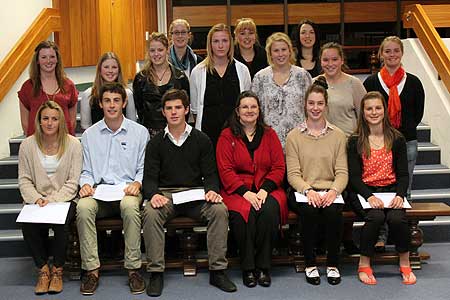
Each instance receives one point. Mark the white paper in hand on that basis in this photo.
(110, 192)
(385, 197)
(188, 196)
(52, 213)
(300, 198)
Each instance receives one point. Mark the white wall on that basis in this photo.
(437, 97)
(14, 21)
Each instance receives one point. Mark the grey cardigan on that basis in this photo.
(33, 180)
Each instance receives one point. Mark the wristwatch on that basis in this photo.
(305, 192)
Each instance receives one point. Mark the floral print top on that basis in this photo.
(282, 105)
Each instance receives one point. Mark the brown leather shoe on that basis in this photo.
(136, 282)
(56, 282)
(43, 281)
(89, 284)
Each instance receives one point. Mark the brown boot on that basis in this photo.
(56, 283)
(43, 281)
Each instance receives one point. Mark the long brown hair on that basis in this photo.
(209, 60)
(35, 70)
(148, 70)
(62, 129)
(363, 130)
(99, 81)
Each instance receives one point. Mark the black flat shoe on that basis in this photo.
(264, 279)
(333, 276)
(155, 284)
(220, 280)
(312, 276)
(249, 278)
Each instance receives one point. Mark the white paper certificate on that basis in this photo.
(303, 199)
(110, 192)
(188, 196)
(52, 213)
(385, 197)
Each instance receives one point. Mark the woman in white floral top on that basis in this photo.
(281, 86)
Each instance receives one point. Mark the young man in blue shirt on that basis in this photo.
(113, 153)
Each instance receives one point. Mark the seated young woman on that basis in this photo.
(251, 167)
(317, 168)
(378, 163)
(50, 163)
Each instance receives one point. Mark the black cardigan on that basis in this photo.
(412, 99)
(399, 161)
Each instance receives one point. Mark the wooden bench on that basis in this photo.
(291, 256)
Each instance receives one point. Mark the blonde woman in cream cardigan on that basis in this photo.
(49, 169)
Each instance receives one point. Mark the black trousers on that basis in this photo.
(255, 238)
(310, 220)
(398, 229)
(36, 237)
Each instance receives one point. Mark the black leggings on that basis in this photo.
(36, 237)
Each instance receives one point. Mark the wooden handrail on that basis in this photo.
(415, 17)
(18, 58)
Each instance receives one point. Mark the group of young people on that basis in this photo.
(248, 125)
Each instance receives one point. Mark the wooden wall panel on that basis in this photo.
(358, 12)
(89, 32)
(201, 16)
(62, 38)
(123, 35)
(139, 29)
(104, 25)
(151, 15)
(268, 14)
(321, 13)
(78, 40)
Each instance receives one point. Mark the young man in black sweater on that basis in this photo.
(177, 159)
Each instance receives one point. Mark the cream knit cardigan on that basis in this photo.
(33, 180)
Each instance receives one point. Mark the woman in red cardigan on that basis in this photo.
(251, 167)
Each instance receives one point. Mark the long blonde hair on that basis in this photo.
(35, 70)
(148, 70)
(99, 81)
(62, 129)
(209, 60)
(279, 37)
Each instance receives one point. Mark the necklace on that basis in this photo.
(51, 96)
(378, 144)
(160, 79)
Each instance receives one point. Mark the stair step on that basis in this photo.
(8, 215)
(423, 133)
(9, 191)
(428, 154)
(431, 177)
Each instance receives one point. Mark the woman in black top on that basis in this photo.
(247, 49)
(377, 164)
(157, 76)
(216, 82)
(307, 41)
